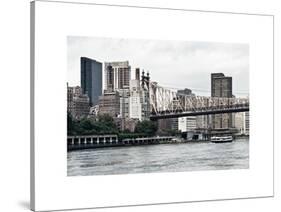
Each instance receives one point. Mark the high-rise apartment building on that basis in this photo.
(135, 111)
(221, 86)
(77, 103)
(109, 103)
(91, 79)
(124, 102)
(139, 98)
(117, 75)
(137, 74)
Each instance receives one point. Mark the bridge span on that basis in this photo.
(166, 103)
(177, 114)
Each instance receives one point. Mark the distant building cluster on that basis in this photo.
(124, 98)
(78, 104)
(221, 86)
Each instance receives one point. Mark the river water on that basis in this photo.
(159, 158)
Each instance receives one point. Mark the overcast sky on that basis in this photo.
(173, 64)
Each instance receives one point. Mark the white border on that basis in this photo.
(55, 21)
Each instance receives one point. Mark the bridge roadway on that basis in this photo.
(177, 114)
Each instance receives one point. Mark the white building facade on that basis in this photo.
(242, 123)
(186, 124)
(135, 111)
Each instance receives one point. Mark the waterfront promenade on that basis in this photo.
(100, 141)
(103, 141)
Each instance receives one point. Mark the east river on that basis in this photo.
(159, 158)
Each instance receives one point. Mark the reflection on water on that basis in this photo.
(159, 158)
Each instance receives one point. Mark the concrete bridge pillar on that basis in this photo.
(98, 140)
(110, 140)
(91, 140)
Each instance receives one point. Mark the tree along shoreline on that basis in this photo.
(104, 124)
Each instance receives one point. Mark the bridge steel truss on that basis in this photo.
(165, 103)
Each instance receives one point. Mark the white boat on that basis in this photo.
(221, 139)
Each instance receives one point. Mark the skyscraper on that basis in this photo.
(91, 79)
(139, 98)
(117, 75)
(135, 100)
(137, 73)
(124, 102)
(221, 86)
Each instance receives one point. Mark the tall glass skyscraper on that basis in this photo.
(91, 79)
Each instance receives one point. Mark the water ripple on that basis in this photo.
(159, 158)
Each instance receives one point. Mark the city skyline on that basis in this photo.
(186, 64)
(142, 104)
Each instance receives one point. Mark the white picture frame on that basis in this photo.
(52, 22)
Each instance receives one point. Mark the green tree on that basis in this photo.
(146, 127)
(106, 124)
(70, 124)
(86, 126)
(103, 125)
